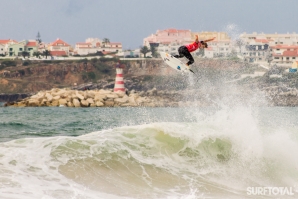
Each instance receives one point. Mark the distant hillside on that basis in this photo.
(18, 76)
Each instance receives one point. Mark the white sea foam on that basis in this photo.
(219, 154)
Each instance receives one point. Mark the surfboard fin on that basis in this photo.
(191, 71)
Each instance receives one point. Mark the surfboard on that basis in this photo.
(175, 63)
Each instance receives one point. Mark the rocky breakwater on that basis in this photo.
(92, 98)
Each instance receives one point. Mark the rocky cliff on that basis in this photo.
(213, 82)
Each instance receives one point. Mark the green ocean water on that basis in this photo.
(60, 121)
(59, 152)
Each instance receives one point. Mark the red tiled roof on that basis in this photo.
(172, 30)
(31, 43)
(5, 41)
(59, 41)
(261, 40)
(284, 47)
(58, 53)
(289, 53)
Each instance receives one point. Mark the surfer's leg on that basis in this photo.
(181, 52)
(189, 57)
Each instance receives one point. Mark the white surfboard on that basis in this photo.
(175, 63)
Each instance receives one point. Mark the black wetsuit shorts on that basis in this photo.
(183, 52)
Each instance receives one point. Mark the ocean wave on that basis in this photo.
(208, 158)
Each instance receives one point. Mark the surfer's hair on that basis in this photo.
(205, 44)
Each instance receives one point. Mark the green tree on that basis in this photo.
(25, 54)
(38, 39)
(105, 41)
(144, 50)
(153, 50)
(36, 54)
(46, 53)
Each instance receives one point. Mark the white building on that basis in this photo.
(275, 48)
(2, 49)
(94, 45)
(59, 48)
(4, 44)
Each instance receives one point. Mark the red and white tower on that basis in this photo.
(119, 82)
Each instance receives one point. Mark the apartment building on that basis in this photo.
(170, 40)
(284, 54)
(59, 48)
(4, 45)
(168, 36)
(271, 48)
(16, 49)
(93, 45)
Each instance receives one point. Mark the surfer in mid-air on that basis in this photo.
(185, 50)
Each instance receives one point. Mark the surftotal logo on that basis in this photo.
(178, 67)
(270, 191)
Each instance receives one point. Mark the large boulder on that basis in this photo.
(90, 101)
(49, 97)
(33, 102)
(62, 102)
(84, 103)
(112, 96)
(56, 98)
(109, 103)
(55, 103)
(122, 100)
(101, 91)
(99, 103)
(79, 96)
(76, 103)
(100, 97)
(90, 94)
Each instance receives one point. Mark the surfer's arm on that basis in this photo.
(210, 39)
(197, 39)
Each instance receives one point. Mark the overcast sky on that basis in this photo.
(129, 21)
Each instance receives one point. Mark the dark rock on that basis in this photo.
(13, 97)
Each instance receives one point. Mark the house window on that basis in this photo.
(10, 49)
(294, 57)
(276, 58)
(20, 49)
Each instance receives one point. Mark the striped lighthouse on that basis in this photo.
(119, 83)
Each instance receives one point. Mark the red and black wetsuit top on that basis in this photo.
(193, 46)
